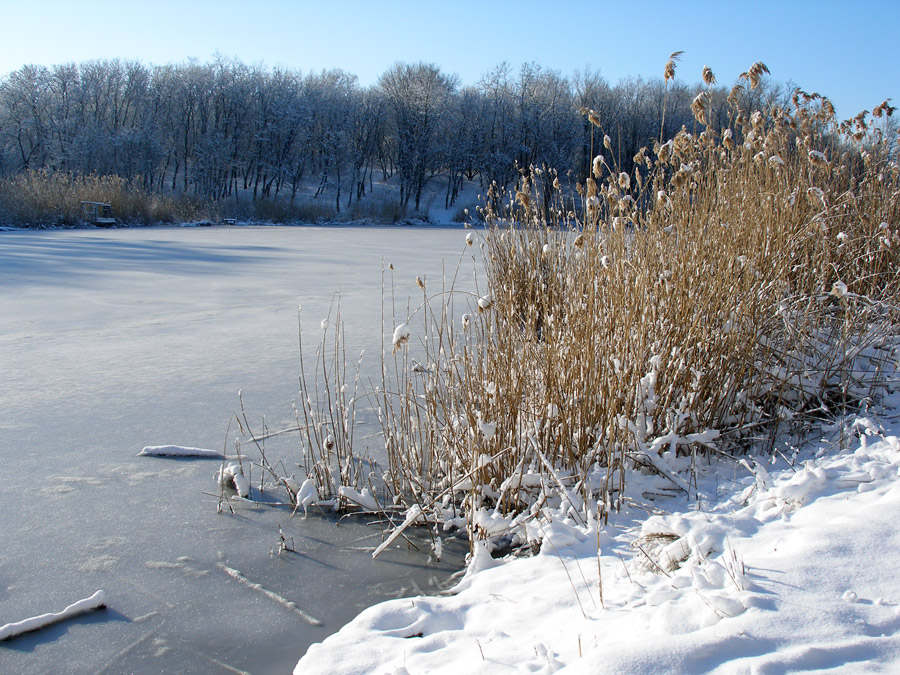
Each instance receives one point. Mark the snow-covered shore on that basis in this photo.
(778, 568)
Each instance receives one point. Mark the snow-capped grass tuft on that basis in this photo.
(401, 336)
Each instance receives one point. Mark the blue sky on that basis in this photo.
(845, 50)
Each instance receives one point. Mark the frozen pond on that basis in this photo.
(113, 340)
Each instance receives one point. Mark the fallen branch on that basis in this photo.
(11, 630)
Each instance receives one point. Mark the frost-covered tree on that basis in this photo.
(418, 97)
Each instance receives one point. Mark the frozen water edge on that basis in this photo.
(114, 339)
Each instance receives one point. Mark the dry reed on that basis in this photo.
(742, 282)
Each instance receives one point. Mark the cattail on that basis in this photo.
(401, 336)
(579, 241)
(470, 239)
(607, 143)
(594, 118)
(556, 183)
(598, 166)
(420, 283)
(591, 187)
(624, 181)
(708, 78)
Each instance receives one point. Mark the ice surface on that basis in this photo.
(113, 339)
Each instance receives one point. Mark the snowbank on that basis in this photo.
(178, 451)
(774, 569)
(11, 630)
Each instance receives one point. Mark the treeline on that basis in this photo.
(228, 130)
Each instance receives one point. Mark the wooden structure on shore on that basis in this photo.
(97, 213)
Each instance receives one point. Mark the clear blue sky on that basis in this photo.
(846, 50)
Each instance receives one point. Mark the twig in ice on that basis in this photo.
(280, 599)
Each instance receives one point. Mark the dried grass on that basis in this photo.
(741, 283)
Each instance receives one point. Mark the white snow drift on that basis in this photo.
(763, 569)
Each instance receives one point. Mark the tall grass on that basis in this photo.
(43, 198)
(740, 284)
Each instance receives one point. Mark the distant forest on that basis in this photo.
(222, 128)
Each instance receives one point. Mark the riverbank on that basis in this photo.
(772, 568)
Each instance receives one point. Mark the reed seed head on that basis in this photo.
(817, 158)
(669, 72)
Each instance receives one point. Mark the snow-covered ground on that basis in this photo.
(784, 567)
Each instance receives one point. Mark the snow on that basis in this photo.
(178, 451)
(401, 336)
(10, 630)
(363, 498)
(233, 476)
(764, 569)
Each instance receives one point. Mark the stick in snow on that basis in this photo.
(11, 630)
(280, 599)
